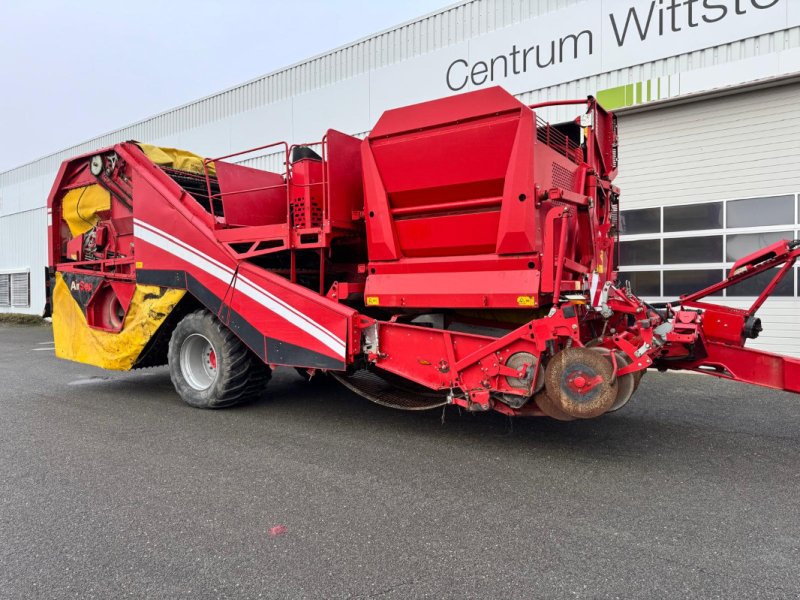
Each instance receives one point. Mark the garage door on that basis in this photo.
(704, 184)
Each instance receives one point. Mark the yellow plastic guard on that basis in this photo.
(182, 160)
(81, 205)
(75, 340)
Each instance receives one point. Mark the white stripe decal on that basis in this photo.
(241, 278)
(289, 307)
(182, 244)
(216, 269)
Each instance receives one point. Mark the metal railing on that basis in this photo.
(555, 139)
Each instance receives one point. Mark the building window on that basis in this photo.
(646, 220)
(675, 250)
(756, 284)
(691, 217)
(678, 283)
(742, 244)
(643, 283)
(642, 252)
(705, 249)
(758, 212)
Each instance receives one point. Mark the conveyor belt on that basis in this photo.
(392, 391)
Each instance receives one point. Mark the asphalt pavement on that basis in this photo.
(110, 487)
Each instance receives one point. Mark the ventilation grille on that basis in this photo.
(563, 177)
(21, 289)
(15, 289)
(302, 218)
(5, 289)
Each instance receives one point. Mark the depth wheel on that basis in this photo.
(579, 382)
(637, 378)
(627, 383)
(549, 408)
(210, 367)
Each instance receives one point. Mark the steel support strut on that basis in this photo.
(710, 338)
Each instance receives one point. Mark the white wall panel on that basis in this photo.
(409, 82)
(729, 147)
(211, 139)
(262, 125)
(325, 108)
(23, 246)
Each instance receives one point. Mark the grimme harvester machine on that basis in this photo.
(463, 253)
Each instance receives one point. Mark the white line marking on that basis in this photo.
(89, 381)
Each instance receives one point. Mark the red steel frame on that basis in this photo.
(564, 262)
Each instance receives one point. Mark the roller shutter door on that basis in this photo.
(704, 183)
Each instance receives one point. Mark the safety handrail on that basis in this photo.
(323, 143)
(588, 101)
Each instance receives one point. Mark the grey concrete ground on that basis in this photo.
(111, 488)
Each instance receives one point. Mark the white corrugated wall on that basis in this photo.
(23, 248)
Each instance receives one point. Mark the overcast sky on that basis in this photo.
(70, 71)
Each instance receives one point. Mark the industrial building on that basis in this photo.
(705, 92)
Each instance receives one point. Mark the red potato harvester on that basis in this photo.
(464, 253)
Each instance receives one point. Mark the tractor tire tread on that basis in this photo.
(242, 376)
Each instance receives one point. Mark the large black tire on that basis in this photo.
(210, 367)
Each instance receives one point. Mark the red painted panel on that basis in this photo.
(448, 235)
(344, 174)
(445, 110)
(264, 204)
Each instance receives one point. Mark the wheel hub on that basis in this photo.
(198, 362)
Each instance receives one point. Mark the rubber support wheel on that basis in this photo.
(627, 383)
(549, 408)
(210, 367)
(578, 380)
(637, 378)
